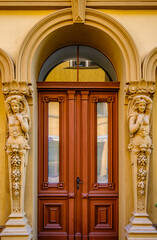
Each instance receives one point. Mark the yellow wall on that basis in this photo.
(152, 191)
(14, 27)
(141, 25)
(4, 176)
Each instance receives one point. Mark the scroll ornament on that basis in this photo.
(139, 118)
(17, 88)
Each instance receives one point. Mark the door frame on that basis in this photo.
(84, 87)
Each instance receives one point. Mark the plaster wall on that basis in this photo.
(4, 176)
(141, 25)
(15, 25)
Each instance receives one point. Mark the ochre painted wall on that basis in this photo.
(4, 176)
(141, 25)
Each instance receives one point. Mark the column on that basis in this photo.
(140, 95)
(18, 125)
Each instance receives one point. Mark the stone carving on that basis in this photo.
(18, 116)
(18, 125)
(17, 88)
(18, 121)
(140, 94)
(139, 113)
(139, 120)
(78, 10)
(140, 87)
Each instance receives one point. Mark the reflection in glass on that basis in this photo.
(53, 142)
(77, 64)
(63, 73)
(67, 72)
(102, 142)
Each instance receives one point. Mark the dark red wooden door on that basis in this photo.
(81, 202)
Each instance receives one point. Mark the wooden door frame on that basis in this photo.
(70, 88)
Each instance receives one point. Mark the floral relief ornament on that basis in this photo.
(140, 87)
(14, 87)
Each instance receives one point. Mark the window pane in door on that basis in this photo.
(53, 142)
(102, 142)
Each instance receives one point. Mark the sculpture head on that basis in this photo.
(15, 106)
(142, 106)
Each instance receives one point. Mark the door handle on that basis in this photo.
(78, 181)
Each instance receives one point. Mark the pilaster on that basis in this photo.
(17, 137)
(140, 100)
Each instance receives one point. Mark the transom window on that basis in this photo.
(77, 64)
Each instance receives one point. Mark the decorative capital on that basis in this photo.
(18, 88)
(142, 87)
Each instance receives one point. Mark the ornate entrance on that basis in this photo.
(78, 166)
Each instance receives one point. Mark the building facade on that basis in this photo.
(119, 38)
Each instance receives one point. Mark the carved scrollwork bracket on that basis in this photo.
(140, 94)
(140, 87)
(17, 88)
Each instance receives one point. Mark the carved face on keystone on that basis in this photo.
(15, 106)
(142, 107)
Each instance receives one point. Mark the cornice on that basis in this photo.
(53, 4)
(116, 4)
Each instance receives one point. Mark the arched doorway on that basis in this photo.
(103, 33)
(78, 153)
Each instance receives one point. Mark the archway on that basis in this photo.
(57, 30)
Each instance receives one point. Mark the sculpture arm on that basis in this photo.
(23, 122)
(133, 124)
(24, 125)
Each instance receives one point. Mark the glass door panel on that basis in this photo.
(102, 142)
(53, 142)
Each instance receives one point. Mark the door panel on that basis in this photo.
(82, 202)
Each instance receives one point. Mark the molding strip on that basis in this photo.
(53, 4)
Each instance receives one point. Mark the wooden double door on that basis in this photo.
(78, 166)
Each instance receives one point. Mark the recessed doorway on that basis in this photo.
(78, 156)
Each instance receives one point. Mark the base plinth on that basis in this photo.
(140, 228)
(16, 228)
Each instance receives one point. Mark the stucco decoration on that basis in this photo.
(116, 43)
(78, 10)
(17, 147)
(115, 39)
(140, 95)
(15, 87)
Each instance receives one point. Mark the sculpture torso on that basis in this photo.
(15, 129)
